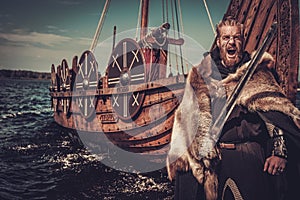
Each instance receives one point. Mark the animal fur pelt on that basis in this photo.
(263, 93)
(192, 146)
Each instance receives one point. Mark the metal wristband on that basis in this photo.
(279, 144)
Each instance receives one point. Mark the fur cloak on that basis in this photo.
(192, 146)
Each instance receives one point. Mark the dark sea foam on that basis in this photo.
(41, 160)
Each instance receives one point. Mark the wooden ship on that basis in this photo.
(132, 106)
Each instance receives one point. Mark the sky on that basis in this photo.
(34, 34)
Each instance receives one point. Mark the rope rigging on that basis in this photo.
(180, 16)
(209, 17)
(178, 32)
(177, 24)
(100, 26)
(163, 11)
(173, 22)
(138, 21)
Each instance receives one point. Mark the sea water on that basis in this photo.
(41, 160)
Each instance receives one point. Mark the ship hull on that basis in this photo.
(147, 133)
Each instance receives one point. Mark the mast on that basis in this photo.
(144, 18)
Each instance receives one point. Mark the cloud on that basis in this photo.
(35, 38)
(34, 58)
(52, 28)
(37, 51)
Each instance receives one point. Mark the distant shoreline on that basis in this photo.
(24, 74)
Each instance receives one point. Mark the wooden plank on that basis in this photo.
(250, 20)
(287, 61)
(261, 25)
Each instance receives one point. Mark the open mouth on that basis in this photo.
(231, 52)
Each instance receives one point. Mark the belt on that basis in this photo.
(223, 145)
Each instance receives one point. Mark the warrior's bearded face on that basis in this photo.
(230, 44)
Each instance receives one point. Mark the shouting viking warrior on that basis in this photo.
(244, 161)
